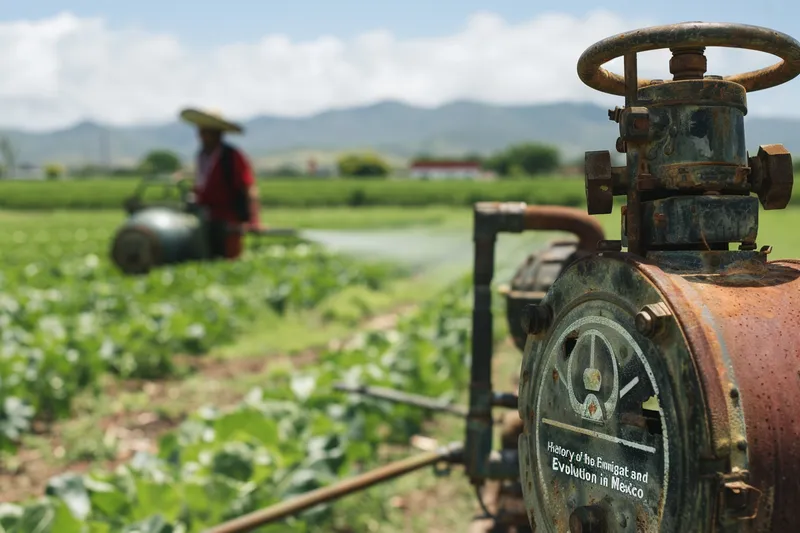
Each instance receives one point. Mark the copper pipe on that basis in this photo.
(558, 218)
(300, 503)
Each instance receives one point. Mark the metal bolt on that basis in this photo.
(771, 176)
(615, 114)
(536, 318)
(651, 319)
(599, 182)
(741, 444)
(622, 146)
(734, 393)
(644, 323)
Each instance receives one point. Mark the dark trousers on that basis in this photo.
(217, 238)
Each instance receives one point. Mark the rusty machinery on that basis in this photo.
(658, 385)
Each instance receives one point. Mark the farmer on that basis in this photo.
(225, 187)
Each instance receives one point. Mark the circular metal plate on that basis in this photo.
(599, 426)
(609, 445)
(134, 251)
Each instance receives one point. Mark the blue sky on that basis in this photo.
(139, 61)
(207, 22)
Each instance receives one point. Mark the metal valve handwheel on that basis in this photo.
(693, 35)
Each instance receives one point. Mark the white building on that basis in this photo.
(438, 170)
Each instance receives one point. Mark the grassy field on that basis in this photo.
(110, 193)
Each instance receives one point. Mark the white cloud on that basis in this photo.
(63, 69)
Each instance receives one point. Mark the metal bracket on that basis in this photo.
(738, 500)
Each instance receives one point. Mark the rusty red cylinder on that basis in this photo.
(743, 329)
(661, 397)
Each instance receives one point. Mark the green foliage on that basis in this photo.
(305, 193)
(68, 315)
(283, 171)
(363, 166)
(53, 171)
(160, 162)
(468, 158)
(293, 435)
(525, 159)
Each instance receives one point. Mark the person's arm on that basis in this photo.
(245, 172)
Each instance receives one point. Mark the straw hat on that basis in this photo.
(210, 120)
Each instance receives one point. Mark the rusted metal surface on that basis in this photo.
(685, 143)
(558, 218)
(693, 35)
(306, 501)
(660, 396)
(773, 176)
(748, 322)
(531, 281)
(724, 357)
(688, 63)
(707, 221)
(599, 182)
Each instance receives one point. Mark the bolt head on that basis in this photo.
(652, 318)
(772, 175)
(599, 183)
(644, 323)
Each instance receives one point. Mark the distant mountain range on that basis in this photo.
(395, 129)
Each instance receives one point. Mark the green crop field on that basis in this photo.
(83, 344)
(195, 394)
(110, 193)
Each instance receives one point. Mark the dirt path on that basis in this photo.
(167, 402)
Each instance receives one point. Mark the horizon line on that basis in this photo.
(334, 109)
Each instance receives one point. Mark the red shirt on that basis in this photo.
(211, 189)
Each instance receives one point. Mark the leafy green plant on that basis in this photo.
(291, 436)
(67, 315)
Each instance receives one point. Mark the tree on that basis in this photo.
(53, 171)
(362, 166)
(528, 158)
(160, 162)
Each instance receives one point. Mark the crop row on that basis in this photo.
(67, 316)
(111, 192)
(292, 435)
